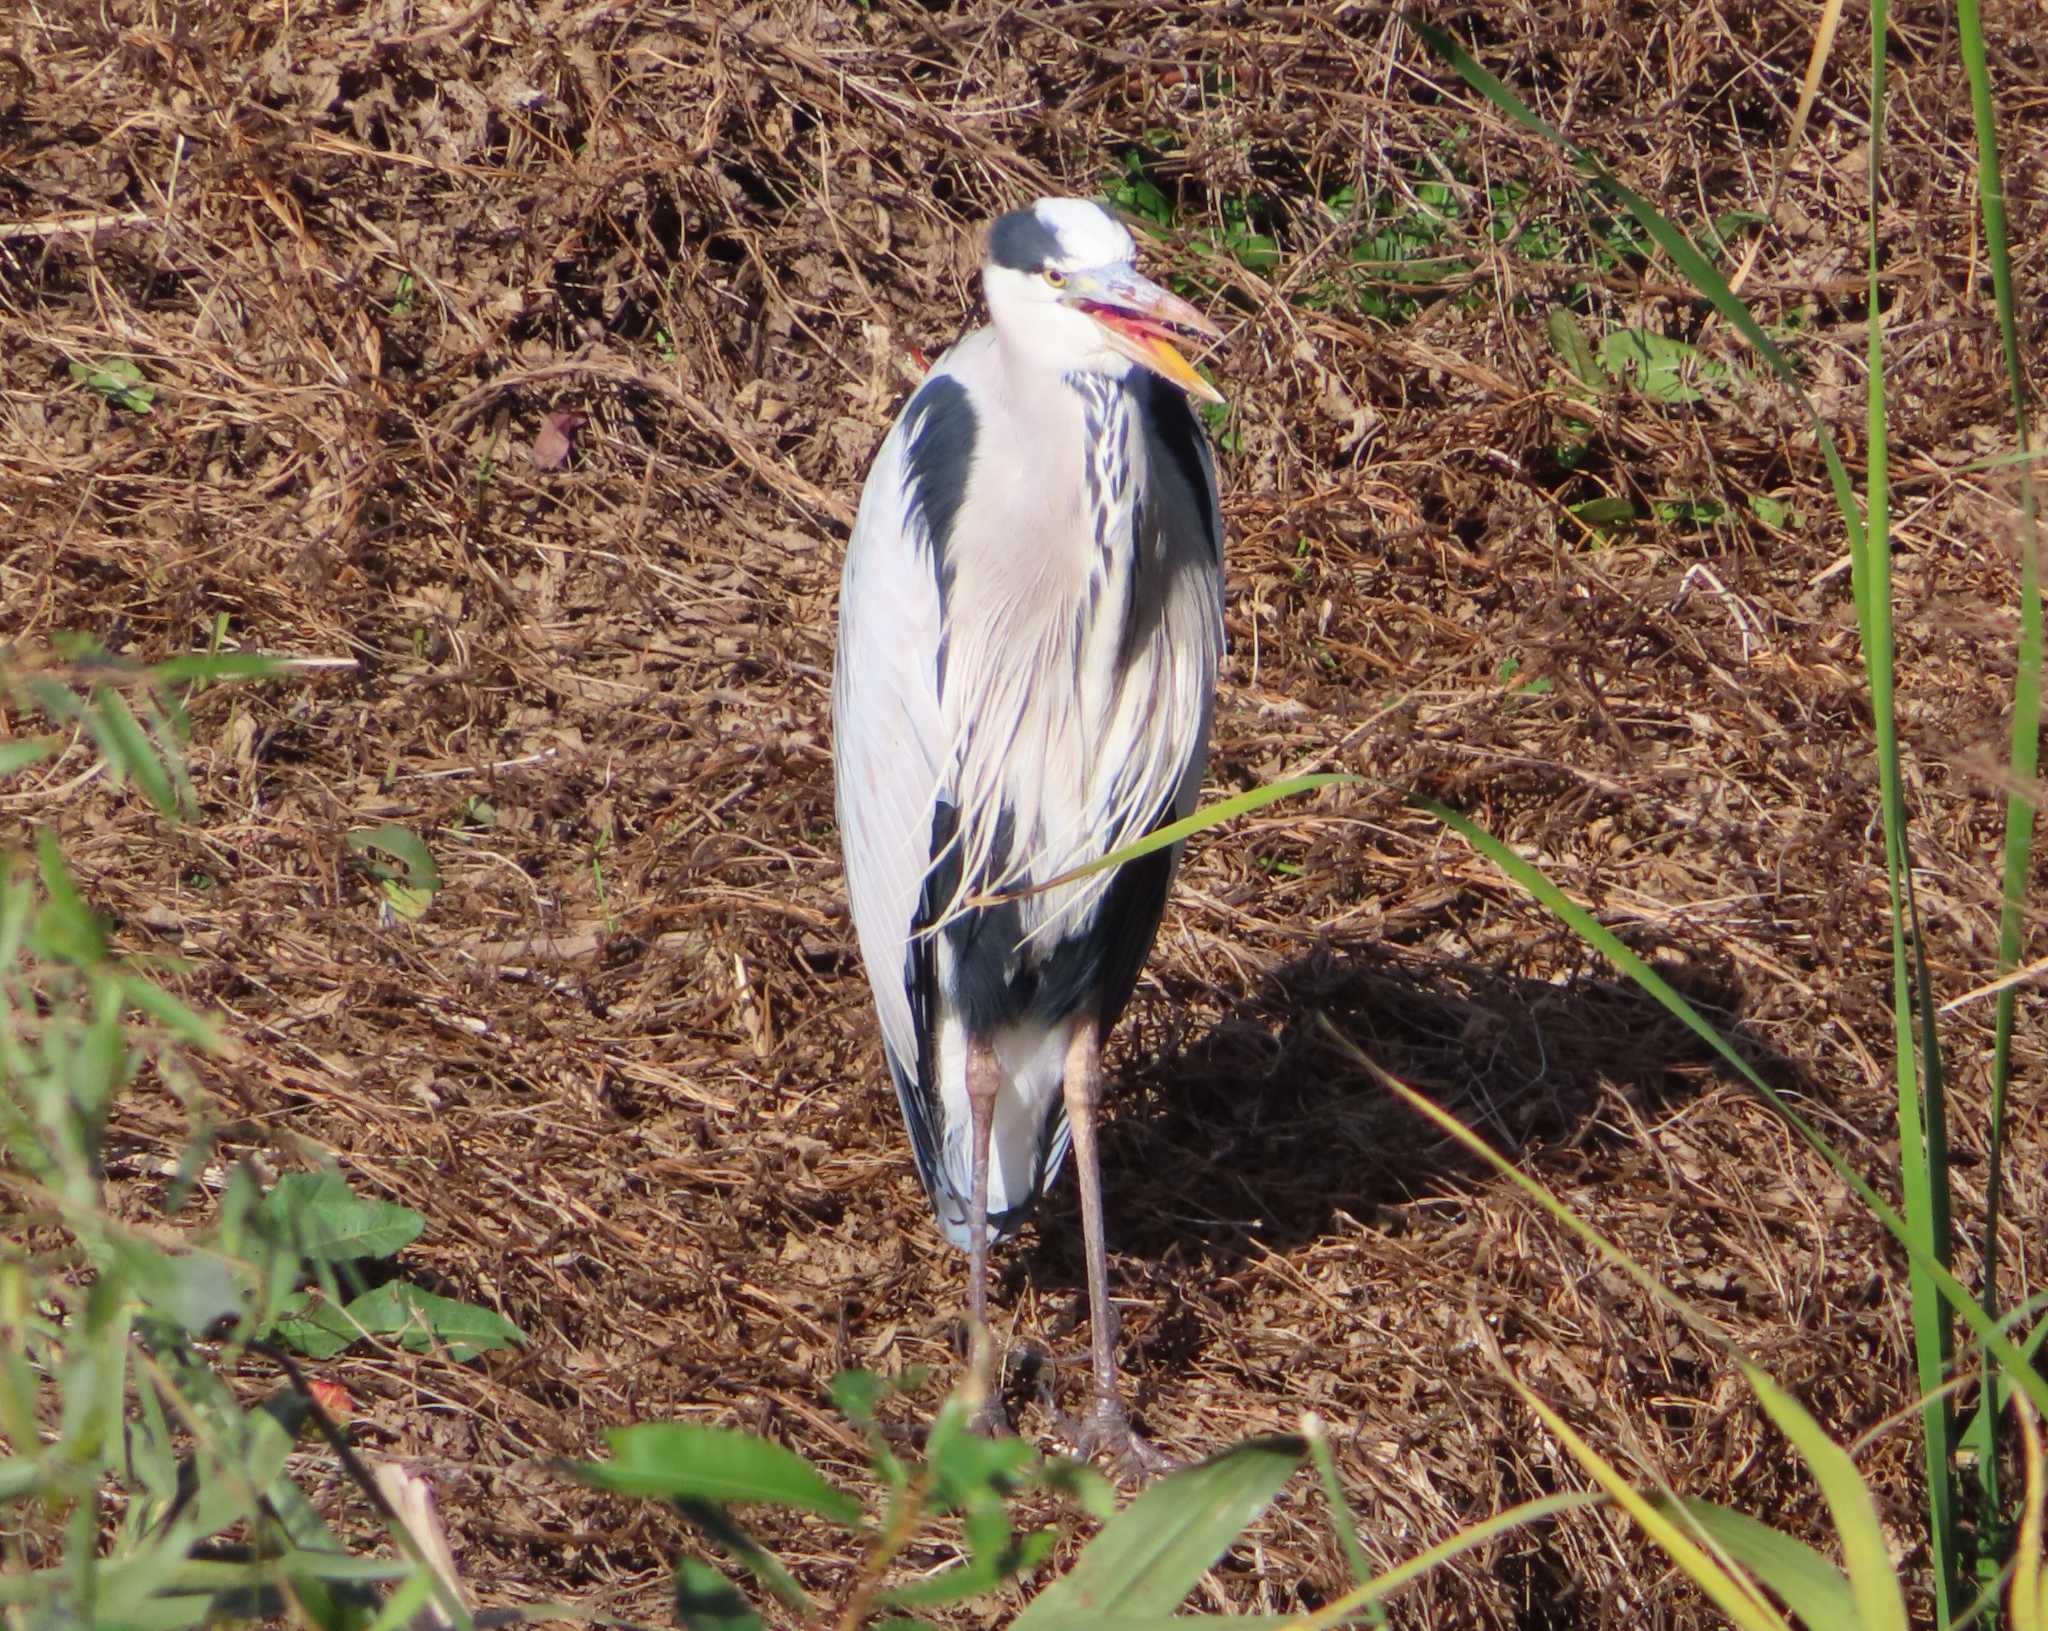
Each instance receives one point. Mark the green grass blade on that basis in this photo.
(2029, 1587)
(2023, 758)
(1816, 1592)
(1922, 1116)
(1361, 1598)
(1342, 1518)
(2018, 1368)
(128, 749)
(1880, 1604)
(1684, 254)
(1159, 838)
(1733, 1594)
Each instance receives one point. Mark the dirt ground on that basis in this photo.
(529, 357)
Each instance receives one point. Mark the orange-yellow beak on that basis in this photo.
(1141, 321)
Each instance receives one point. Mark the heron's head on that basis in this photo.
(1064, 289)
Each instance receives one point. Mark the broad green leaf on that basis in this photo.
(407, 1600)
(404, 846)
(420, 1319)
(707, 1601)
(328, 1222)
(1607, 512)
(1661, 368)
(1182, 1622)
(312, 1563)
(1814, 1590)
(1149, 1557)
(857, 1395)
(1880, 1604)
(969, 1470)
(314, 1326)
(691, 1461)
(1774, 513)
(196, 1291)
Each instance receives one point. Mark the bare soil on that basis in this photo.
(529, 356)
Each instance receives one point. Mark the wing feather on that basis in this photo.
(889, 737)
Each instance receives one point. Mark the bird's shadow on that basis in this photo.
(1261, 1133)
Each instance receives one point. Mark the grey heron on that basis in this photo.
(1031, 619)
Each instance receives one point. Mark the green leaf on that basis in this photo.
(420, 1318)
(707, 1601)
(690, 1461)
(1773, 512)
(1606, 513)
(857, 1395)
(1570, 342)
(1210, 815)
(314, 1326)
(726, 1531)
(1809, 1585)
(130, 751)
(1149, 1557)
(410, 887)
(982, 1573)
(968, 1470)
(209, 667)
(194, 1290)
(328, 1222)
(168, 1011)
(1658, 366)
(119, 380)
(66, 929)
(17, 755)
(1733, 1593)
(1341, 1516)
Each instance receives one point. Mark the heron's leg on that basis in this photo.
(984, 1081)
(1106, 1427)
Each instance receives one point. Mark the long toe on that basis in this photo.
(1106, 1431)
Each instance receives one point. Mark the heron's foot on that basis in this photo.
(1106, 1431)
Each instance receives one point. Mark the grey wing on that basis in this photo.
(889, 747)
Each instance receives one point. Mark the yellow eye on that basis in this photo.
(1054, 277)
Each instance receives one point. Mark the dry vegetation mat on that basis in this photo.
(523, 362)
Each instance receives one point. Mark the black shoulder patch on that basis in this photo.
(1173, 424)
(1022, 242)
(937, 464)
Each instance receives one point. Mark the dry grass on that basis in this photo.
(626, 1065)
